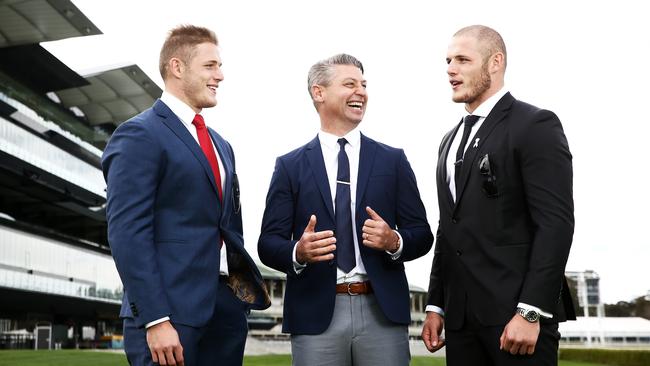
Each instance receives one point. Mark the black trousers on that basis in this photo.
(478, 345)
(219, 343)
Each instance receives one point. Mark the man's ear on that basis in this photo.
(497, 62)
(317, 93)
(176, 67)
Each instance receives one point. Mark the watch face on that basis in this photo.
(532, 316)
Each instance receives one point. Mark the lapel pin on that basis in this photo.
(476, 141)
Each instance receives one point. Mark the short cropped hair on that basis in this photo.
(490, 40)
(180, 43)
(321, 73)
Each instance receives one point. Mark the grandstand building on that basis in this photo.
(57, 279)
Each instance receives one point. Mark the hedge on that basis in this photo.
(614, 357)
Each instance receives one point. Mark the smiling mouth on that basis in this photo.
(213, 88)
(455, 83)
(356, 105)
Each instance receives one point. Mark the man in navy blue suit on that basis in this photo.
(343, 214)
(174, 220)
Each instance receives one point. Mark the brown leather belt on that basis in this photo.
(354, 288)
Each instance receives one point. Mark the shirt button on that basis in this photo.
(459, 252)
(454, 220)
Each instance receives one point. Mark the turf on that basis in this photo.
(85, 358)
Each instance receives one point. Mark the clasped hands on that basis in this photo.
(318, 246)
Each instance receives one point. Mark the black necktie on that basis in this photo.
(344, 242)
(468, 122)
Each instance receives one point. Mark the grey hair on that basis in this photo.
(321, 73)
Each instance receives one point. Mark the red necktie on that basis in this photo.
(206, 145)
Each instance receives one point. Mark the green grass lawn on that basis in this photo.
(86, 358)
(61, 358)
(285, 360)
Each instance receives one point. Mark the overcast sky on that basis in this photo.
(585, 60)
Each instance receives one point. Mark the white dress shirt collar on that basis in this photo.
(331, 141)
(486, 107)
(183, 111)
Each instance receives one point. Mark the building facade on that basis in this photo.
(58, 284)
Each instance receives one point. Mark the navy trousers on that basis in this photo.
(219, 343)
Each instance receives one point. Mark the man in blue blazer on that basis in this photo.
(343, 214)
(174, 220)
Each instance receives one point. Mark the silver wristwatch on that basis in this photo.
(531, 315)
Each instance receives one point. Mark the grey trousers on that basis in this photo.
(359, 335)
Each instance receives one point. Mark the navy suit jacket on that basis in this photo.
(166, 223)
(299, 188)
(493, 252)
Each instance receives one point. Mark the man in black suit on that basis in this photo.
(504, 182)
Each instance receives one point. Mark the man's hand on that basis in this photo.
(431, 330)
(519, 336)
(377, 234)
(165, 347)
(315, 246)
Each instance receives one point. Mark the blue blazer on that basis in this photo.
(299, 188)
(166, 223)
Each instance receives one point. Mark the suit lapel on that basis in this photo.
(442, 166)
(315, 158)
(176, 126)
(366, 160)
(498, 113)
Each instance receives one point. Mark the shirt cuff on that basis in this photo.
(161, 320)
(541, 312)
(435, 309)
(297, 267)
(398, 253)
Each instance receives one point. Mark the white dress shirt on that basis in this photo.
(330, 149)
(482, 111)
(186, 114)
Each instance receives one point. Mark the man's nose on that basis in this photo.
(452, 69)
(218, 74)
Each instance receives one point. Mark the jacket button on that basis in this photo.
(454, 220)
(459, 252)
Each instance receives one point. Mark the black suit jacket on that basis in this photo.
(493, 252)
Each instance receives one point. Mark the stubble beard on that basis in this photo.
(478, 88)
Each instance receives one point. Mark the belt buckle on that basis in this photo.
(349, 289)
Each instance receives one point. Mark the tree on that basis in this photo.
(620, 309)
(638, 307)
